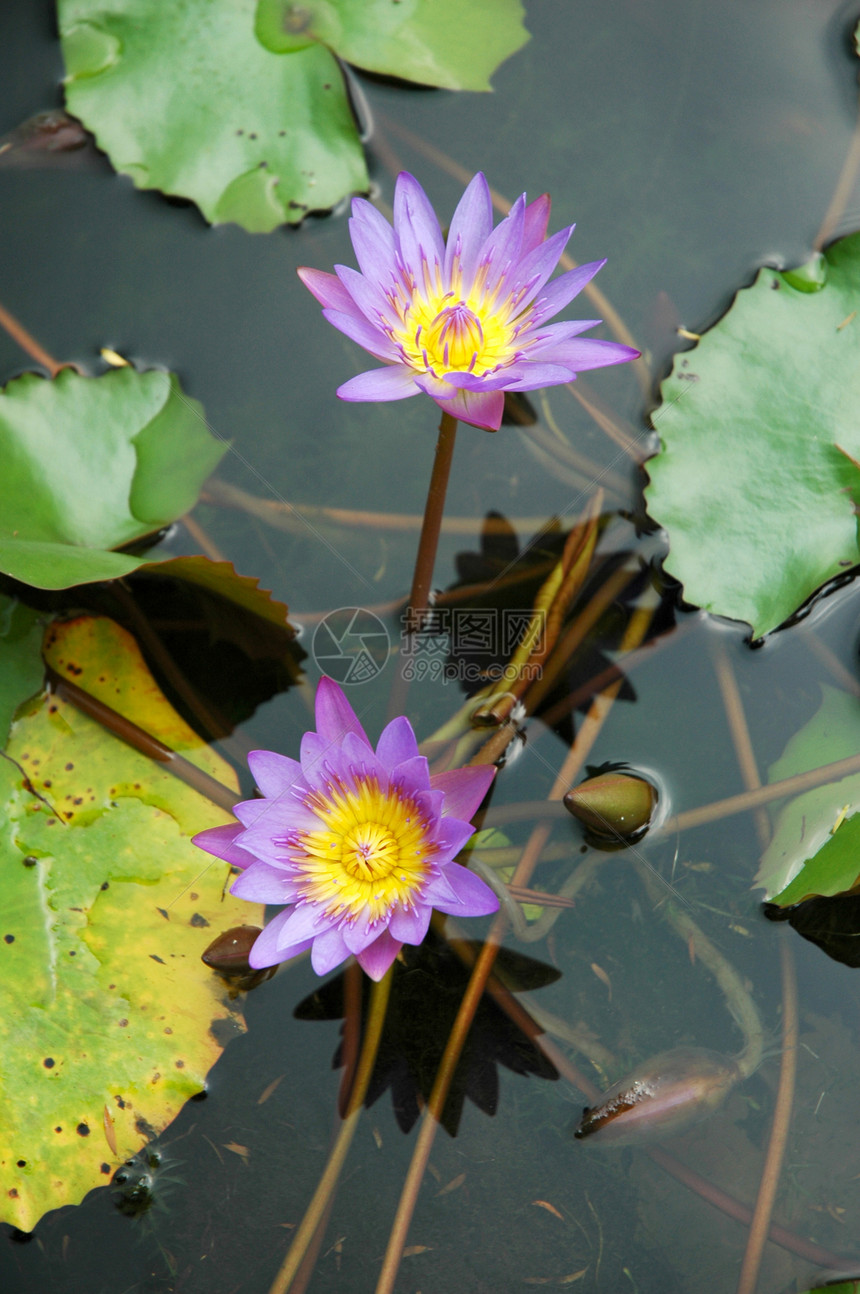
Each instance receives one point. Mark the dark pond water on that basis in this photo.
(692, 142)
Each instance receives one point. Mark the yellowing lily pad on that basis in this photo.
(109, 1021)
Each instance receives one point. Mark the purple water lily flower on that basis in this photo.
(361, 845)
(463, 320)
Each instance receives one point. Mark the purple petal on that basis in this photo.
(268, 947)
(464, 789)
(328, 951)
(360, 330)
(412, 777)
(561, 291)
(586, 353)
(535, 268)
(470, 228)
(220, 842)
(327, 289)
(535, 221)
(264, 884)
(474, 896)
(364, 295)
(409, 925)
(502, 249)
(437, 892)
(275, 773)
(362, 762)
(480, 408)
(453, 835)
(248, 811)
(397, 382)
(303, 921)
(416, 227)
(373, 242)
(544, 337)
(334, 715)
(397, 743)
(376, 959)
(524, 375)
(359, 934)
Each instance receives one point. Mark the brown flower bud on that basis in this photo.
(613, 804)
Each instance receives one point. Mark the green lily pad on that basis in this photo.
(261, 130)
(409, 39)
(90, 464)
(109, 1021)
(757, 479)
(21, 669)
(815, 848)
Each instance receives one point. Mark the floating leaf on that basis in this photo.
(410, 39)
(21, 668)
(90, 464)
(756, 478)
(262, 131)
(815, 848)
(107, 908)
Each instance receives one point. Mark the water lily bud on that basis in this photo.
(613, 804)
(228, 954)
(661, 1097)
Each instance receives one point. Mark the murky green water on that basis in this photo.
(692, 143)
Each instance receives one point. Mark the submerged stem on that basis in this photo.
(328, 1182)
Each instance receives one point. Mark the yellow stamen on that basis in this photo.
(446, 332)
(369, 854)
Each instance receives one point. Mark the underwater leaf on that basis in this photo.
(106, 912)
(756, 479)
(89, 464)
(222, 580)
(815, 849)
(832, 924)
(409, 39)
(21, 669)
(209, 634)
(246, 111)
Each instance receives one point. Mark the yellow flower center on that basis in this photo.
(369, 853)
(446, 332)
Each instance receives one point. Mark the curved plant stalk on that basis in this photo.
(532, 1023)
(744, 802)
(763, 1211)
(844, 188)
(740, 732)
(636, 630)
(27, 342)
(144, 742)
(282, 515)
(741, 1006)
(320, 1202)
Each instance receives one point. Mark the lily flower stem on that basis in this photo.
(327, 1185)
(430, 529)
(425, 558)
